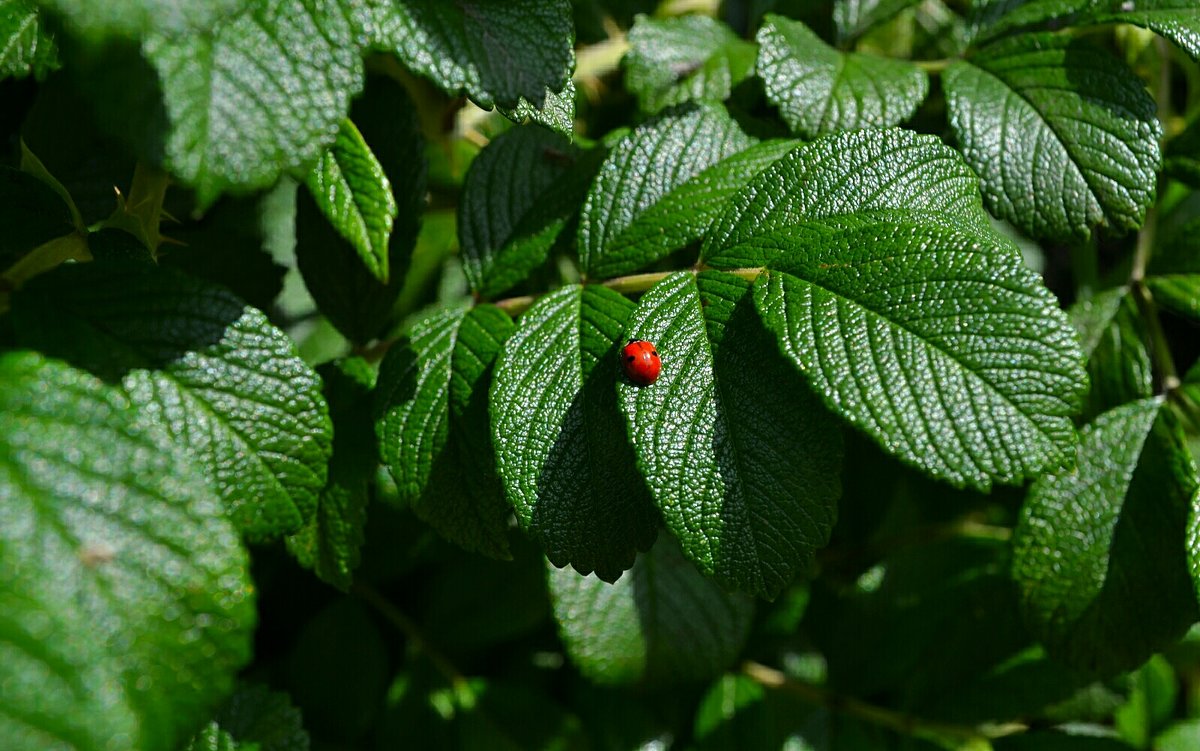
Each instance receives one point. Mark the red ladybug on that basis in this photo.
(640, 361)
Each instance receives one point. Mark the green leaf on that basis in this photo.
(26, 47)
(560, 441)
(261, 94)
(684, 215)
(644, 167)
(1181, 159)
(1059, 740)
(1179, 292)
(556, 111)
(740, 458)
(662, 623)
(948, 352)
(133, 19)
(126, 606)
(855, 17)
(1063, 135)
(1181, 736)
(820, 90)
(433, 425)
(1151, 703)
(687, 58)
(892, 176)
(214, 373)
(31, 213)
(514, 206)
(255, 714)
(1118, 363)
(213, 738)
(1099, 553)
(352, 190)
(494, 51)
(329, 543)
(346, 292)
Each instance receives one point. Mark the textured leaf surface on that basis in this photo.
(1179, 292)
(688, 58)
(892, 176)
(1063, 135)
(26, 48)
(255, 714)
(560, 440)
(820, 90)
(433, 426)
(214, 373)
(213, 738)
(684, 215)
(256, 96)
(739, 456)
(350, 296)
(1118, 363)
(514, 206)
(662, 622)
(135, 18)
(1099, 553)
(352, 190)
(329, 543)
(854, 17)
(645, 166)
(494, 51)
(556, 111)
(125, 603)
(948, 352)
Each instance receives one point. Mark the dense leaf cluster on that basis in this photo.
(924, 278)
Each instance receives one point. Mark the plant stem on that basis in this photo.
(900, 722)
(933, 67)
(413, 633)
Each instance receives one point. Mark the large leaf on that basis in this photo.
(352, 190)
(494, 51)
(133, 19)
(820, 90)
(354, 300)
(257, 95)
(891, 176)
(25, 45)
(560, 440)
(1099, 554)
(688, 58)
(740, 458)
(433, 425)
(663, 622)
(516, 201)
(642, 169)
(1063, 135)
(947, 351)
(213, 372)
(684, 215)
(126, 606)
(329, 543)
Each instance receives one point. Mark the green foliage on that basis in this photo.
(315, 429)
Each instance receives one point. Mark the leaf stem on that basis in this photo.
(413, 633)
(899, 722)
(933, 67)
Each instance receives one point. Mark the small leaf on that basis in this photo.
(255, 96)
(684, 215)
(887, 176)
(256, 714)
(213, 738)
(494, 52)
(556, 111)
(820, 90)
(661, 623)
(125, 593)
(1179, 292)
(1063, 135)
(514, 206)
(1118, 362)
(687, 58)
(560, 441)
(346, 292)
(853, 18)
(329, 543)
(948, 352)
(213, 372)
(31, 212)
(1099, 553)
(352, 191)
(739, 456)
(26, 47)
(433, 429)
(133, 19)
(644, 167)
